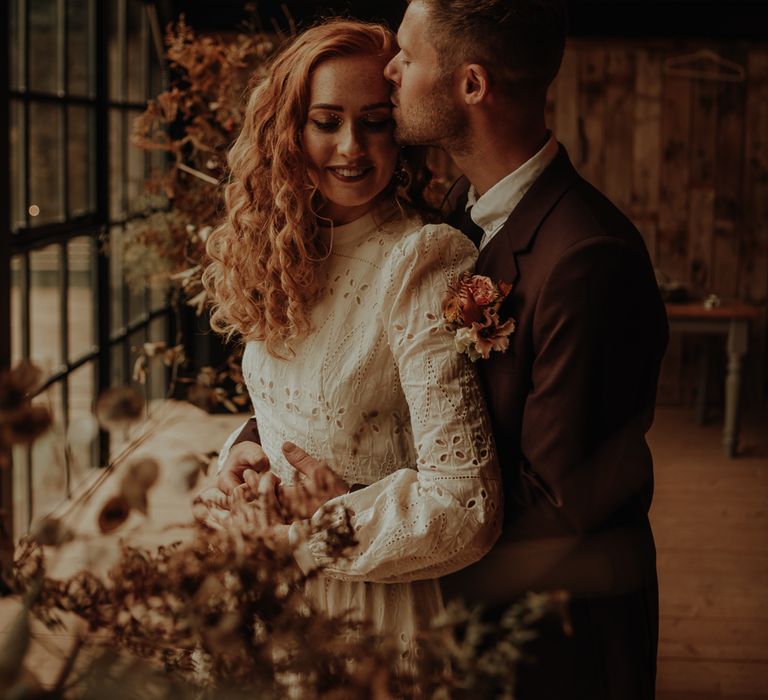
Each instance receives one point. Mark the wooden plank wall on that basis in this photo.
(687, 161)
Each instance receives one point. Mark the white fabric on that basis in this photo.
(492, 209)
(379, 392)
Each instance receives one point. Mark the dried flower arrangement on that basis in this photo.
(194, 122)
(220, 612)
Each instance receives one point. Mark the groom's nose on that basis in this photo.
(392, 70)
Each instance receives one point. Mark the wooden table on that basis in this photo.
(732, 321)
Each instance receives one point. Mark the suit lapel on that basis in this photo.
(499, 259)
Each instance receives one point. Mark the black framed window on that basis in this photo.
(79, 72)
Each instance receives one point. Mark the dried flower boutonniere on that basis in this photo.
(471, 309)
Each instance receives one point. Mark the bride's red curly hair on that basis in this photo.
(262, 277)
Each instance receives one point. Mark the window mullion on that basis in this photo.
(64, 346)
(61, 47)
(102, 292)
(63, 37)
(24, 14)
(24, 289)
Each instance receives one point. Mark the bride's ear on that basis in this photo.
(475, 83)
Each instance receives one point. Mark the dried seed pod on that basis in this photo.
(118, 408)
(51, 532)
(190, 467)
(114, 513)
(24, 425)
(144, 471)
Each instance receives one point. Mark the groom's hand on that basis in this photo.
(319, 485)
(242, 457)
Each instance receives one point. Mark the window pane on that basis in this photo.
(116, 177)
(80, 49)
(116, 285)
(157, 372)
(16, 319)
(44, 35)
(45, 160)
(117, 371)
(137, 51)
(137, 303)
(82, 198)
(81, 400)
(16, 142)
(80, 300)
(158, 293)
(20, 490)
(116, 48)
(49, 472)
(156, 78)
(137, 172)
(45, 309)
(17, 44)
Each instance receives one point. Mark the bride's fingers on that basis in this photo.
(241, 495)
(252, 479)
(267, 493)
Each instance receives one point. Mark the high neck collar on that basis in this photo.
(346, 235)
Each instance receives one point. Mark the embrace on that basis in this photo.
(487, 432)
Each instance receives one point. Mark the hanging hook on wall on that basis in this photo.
(704, 64)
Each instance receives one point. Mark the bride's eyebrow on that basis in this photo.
(364, 108)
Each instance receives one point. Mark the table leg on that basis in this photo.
(738, 337)
(702, 397)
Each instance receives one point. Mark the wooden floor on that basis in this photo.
(710, 518)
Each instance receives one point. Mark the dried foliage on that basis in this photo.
(21, 422)
(221, 612)
(194, 122)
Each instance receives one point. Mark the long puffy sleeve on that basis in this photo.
(445, 512)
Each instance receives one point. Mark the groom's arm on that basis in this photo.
(599, 334)
(249, 433)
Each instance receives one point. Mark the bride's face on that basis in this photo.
(347, 139)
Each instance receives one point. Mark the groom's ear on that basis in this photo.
(475, 83)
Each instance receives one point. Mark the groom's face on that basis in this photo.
(426, 110)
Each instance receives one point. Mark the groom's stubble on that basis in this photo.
(434, 119)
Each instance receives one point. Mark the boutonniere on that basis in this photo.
(471, 310)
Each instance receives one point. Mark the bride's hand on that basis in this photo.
(242, 457)
(211, 507)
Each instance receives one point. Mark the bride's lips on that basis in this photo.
(347, 174)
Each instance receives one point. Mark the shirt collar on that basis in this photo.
(492, 209)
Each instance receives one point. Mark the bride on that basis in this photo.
(326, 270)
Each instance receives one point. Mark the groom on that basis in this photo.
(573, 397)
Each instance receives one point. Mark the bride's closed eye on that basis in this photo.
(370, 123)
(377, 124)
(326, 124)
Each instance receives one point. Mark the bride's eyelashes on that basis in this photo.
(372, 124)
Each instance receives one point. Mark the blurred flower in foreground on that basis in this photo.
(118, 408)
(21, 422)
(140, 476)
(114, 513)
(51, 532)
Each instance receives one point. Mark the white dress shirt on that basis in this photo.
(491, 211)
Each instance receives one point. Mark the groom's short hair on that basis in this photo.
(519, 42)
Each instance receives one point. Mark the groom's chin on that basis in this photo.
(401, 136)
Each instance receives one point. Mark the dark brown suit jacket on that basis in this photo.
(571, 402)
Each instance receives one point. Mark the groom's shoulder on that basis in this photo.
(586, 212)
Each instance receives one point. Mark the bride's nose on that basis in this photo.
(350, 143)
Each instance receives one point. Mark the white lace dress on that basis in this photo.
(379, 392)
